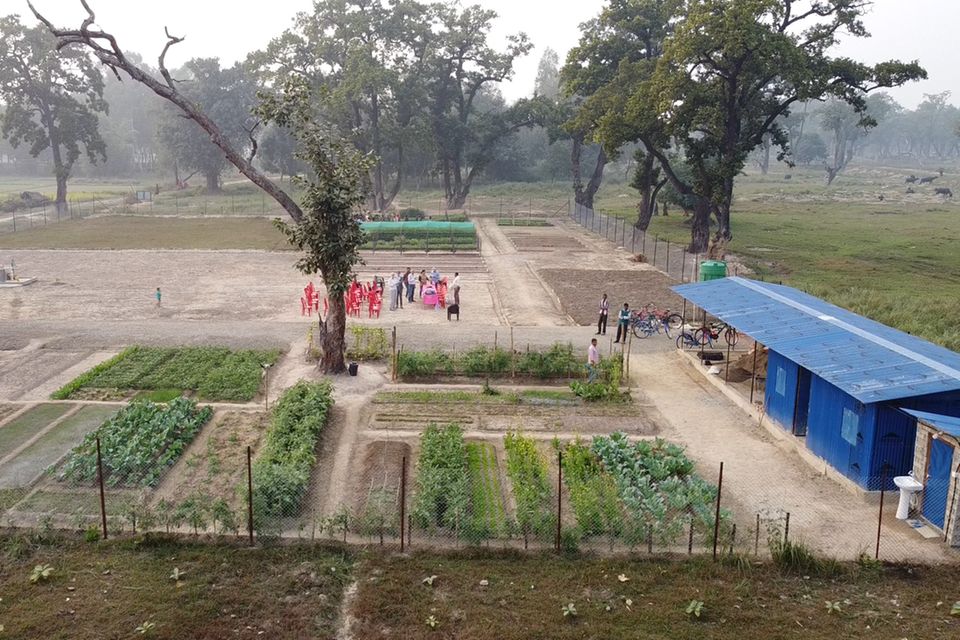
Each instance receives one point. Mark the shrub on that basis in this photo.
(281, 474)
(442, 498)
(417, 364)
(369, 343)
(411, 213)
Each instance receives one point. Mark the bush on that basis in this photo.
(557, 362)
(411, 213)
(418, 364)
(442, 498)
(369, 343)
(281, 474)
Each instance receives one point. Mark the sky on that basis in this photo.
(924, 30)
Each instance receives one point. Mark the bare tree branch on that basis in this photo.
(105, 47)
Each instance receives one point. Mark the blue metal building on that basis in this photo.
(836, 378)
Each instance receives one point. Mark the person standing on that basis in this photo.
(623, 323)
(593, 360)
(401, 285)
(422, 279)
(604, 311)
(158, 295)
(456, 288)
(435, 277)
(411, 286)
(393, 285)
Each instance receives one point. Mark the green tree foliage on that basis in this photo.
(368, 57)
(277, 152)
(846, 127)
(329, 232)
(51, 98)
(226, 96)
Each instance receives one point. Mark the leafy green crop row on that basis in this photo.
(281, 474)
(486, 498)
(138, 444)
(527, 470)
(658, 488)
(214, 373)
(558, 361)
(593, 494)
(442, 495)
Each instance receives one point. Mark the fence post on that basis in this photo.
(753, 376)
(883, 486)
(756, 542)
(786, 530)
(14, 220)
(690, 538)
(559, 494)
(250, 495)
(644, 249)
(403, 501)
(656, 243)
(668, 258)
(393, 351)
(103, 502)
(716, 517)
(683, 262)
(513, 356)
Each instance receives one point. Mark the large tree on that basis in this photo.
(226, 96)
(730, 72)
(847, 128)
(462, 66)
(326, 219)
(617, 50)
(368, 59)
(52, 99)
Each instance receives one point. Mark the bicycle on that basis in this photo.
(644, 326)
(669, 320)
(708, 333)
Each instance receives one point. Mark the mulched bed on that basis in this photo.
(542, 240)
(579, 291)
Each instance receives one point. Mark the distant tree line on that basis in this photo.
(683, 94)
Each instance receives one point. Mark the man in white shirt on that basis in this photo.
(456, 288)
(593, 360)
(604, 312)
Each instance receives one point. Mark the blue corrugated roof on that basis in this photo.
(870, 361)
(947, 424)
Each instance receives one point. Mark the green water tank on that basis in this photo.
(713, 270)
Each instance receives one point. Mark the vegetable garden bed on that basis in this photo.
(557, 362)
(138, 444)
(523, 222)
(214, 373)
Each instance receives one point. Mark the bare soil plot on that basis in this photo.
(543, 240)
(52, 446)
(7, 410)
(579, 291)
(16, 432)
(21, 371)
(215, 464)
(376, 491)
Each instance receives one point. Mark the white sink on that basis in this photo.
(908, 486)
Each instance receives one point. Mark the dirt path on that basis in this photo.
(524, 298)
(759, 477)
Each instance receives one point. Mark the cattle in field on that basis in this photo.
(911, 179)
(927, 179)
(943, 191)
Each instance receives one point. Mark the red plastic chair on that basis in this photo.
(373, 309)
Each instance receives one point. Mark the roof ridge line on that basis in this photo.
(846, 326)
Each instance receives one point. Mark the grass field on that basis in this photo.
(78, 188)
(109, 589)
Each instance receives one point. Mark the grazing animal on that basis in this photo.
(880, 197)
(943, 191)
(927, 179)
(453, 310)
(911, 179)
(910, 190)
(787, 177)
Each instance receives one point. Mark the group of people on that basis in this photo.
(623, 319)
(432, 288)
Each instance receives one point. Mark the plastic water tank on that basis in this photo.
(713, 270)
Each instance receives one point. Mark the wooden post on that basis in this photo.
(683, 262)
(753, 378)
(403, 502)
(726, 372)
(656, 241)
(494, 340)
(393, 354)
(250, 494)
(786, 529)
(103, 501)
(716, 517)
(513, 358)
(629, 350)
(668, 258)
(559, 494)
(756, 542)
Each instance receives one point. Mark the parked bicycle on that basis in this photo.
(650, 319)
(706, 335)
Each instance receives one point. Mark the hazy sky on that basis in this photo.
(904, 29)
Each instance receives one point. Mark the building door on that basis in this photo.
(937, 482)
(801, 409)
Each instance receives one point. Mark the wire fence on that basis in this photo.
(611, 495)
(670, 257)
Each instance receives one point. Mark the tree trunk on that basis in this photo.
(765, 155)
(61, 201)
(332, 332)
(700, 226)
(213, 181)
(583, 194)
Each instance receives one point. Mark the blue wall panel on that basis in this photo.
(840, 430)
(947, 404)
(781, 391)
(893, 445)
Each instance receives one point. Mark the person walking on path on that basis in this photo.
(604, 311)
(456, 288)
(411, 286)
(623, 323)
(593, 360)
(393, 285)
(158, 295)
